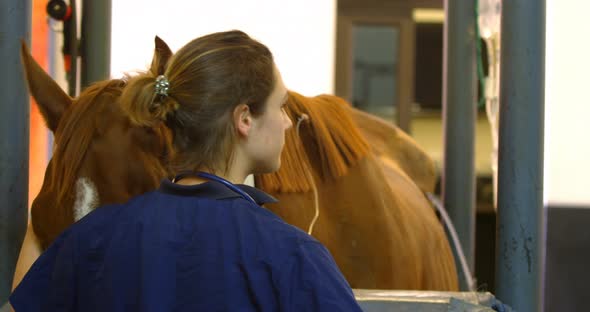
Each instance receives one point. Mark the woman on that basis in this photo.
(201, 242)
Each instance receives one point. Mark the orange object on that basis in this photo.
(38, 144)
(67, 63)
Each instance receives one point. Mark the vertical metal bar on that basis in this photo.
(95, 43)
(521, 226)
(52, 70)
(15, 24)
(71, 49)
(459, 109)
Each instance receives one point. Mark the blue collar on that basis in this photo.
(215, 190)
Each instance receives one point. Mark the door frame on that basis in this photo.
(405, 69)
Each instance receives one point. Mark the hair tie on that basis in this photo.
(162, 85)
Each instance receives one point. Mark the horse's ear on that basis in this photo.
(51, 99)
(162, 54)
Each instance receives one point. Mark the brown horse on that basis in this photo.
(99, 156)
(377, 223)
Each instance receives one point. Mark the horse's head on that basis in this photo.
(99, 156)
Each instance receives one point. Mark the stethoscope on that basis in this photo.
(219, 179)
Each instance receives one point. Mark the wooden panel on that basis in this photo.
(392, 12)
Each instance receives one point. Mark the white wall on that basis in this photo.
(300, 33)
(567, 99)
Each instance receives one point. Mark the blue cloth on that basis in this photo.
(185, 248)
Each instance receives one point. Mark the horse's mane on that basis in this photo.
(70, 149)
(339, 144)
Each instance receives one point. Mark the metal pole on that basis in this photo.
(95, 43)
(15, 24)
(459, 109)
(521, 222)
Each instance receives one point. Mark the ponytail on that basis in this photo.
(147, 100)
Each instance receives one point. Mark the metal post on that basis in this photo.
(521, 226)
(459, 109)
(15, 24)
(95, 43)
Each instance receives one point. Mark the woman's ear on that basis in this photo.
(242, 118)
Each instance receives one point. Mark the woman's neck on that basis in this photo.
(191, 180)
(235, 177)
(232, 176)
